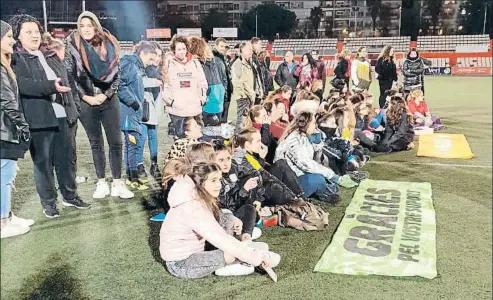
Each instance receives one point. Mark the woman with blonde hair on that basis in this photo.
(386, 72)
(361, 73)
(213, 108)
(343, 69)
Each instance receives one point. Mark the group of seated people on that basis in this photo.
(291, 148)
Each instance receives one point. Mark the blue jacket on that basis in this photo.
(131, 91)
(216, 90)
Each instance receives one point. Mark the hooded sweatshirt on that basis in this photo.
(185, 91)
(189, 224)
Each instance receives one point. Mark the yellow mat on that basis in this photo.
(444, 146)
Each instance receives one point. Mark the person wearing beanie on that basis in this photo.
(14, 137)
(50, 111)
(93, 56)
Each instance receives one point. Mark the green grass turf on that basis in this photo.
(111, 251)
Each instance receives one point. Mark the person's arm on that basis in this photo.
(354, 72)
(427, 62)
(113, 87)
(202, 84)
(297, 71)
(249, 90)
(400, 131)
(236, 74)
(9, 103)
(125, 92)
(30, 86)
(378, 67)
(205, 225)
(278, 77)
(406, 71)
(265, 134)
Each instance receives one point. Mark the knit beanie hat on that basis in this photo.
(90, 15)
(4, 28)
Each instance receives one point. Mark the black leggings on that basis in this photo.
(281, 170)
(385, 85)
(248, 215)
(107, 115)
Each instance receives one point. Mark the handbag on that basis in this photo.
(337, 83)
(146, 112)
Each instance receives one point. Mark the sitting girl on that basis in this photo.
(399, 133)
(298, 151)
(421, 112)
(194, 196)
(193, 131)
(278, 117)
(277, 184)
(318, 89)
(237, 198)
(283, 94)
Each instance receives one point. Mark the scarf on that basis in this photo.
(104, 69)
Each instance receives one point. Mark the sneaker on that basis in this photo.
(257, 245)
(159, 217)
(20, 221)
(273, 258)
(136, 185)
(236, 269)
(77, 203)
(141, 174)
(256, 233)
(102, 190)
(51, 211)
(346, 182)
(120, 190)
(12, 230)
(80, 179)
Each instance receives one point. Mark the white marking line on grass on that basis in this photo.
(429, 164)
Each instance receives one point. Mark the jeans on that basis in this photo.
(108, 115)
(385, 85)
(132, 140)
(53, 148)
(313, 184)
(149, 133)
(243, 106)
(8, 170)
(248, 215)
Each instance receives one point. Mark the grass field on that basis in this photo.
(111, 251)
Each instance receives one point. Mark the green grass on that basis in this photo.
(111, 251)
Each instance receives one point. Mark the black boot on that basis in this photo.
(155, 172)
(141, 173)
(327, 197)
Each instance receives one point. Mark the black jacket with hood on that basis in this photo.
(397, 137)
(285, 77)
(225, 70)
(36, 90)
(232, 195)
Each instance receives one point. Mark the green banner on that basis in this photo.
(389, 229)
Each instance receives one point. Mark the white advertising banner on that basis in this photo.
(189, 31)
(225, 32)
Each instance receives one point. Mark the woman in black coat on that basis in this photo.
(51, 113)
(387, 72)
(342, 71)
(267, 77)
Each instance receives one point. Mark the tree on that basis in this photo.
(472, 21)
(316, 15)
(271, 19)
(384, 20)
(213, 19)
(434, 9)
(173, 22)
(375, 7)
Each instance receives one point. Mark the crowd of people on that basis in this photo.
(220, 182)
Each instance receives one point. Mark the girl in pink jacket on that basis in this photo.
(194, 217)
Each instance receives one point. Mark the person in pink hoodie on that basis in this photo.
(185, 86)
(194, 217)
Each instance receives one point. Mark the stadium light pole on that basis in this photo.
(45, 17)
(485, 15)
(256, 23)
(400, 19)
(83, 5)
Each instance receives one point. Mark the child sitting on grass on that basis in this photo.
(421, 112)
(194, 218)
(240, 200)
(399, 133)
(193, 131)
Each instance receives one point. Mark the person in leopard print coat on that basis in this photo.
(193, 131)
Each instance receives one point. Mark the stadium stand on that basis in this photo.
(474, 62)
(375, 44)
(126, 47)
(233, 43)
(301, 46)
(450, 42)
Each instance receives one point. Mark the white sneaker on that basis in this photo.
(120, 190)
(256, 233)
(236, 269)
(257, 245)
(13, 230)
(273, 258)
(20, 221)
(102, 190)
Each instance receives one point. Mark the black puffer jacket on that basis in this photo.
(413, 70)
(232, 195)
(36, 90)
(13, 126)
(386, 69)
(285, 77)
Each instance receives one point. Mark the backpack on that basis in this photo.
(302, 215)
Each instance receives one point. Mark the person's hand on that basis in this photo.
(257, 205)
(266, 119)
(100, 98)
(159, 83)
(251, 184)
(379, 128)
(237, 226)
(90, 100)
(285, 117)
(265, 263)
(263, 151)
(60, 88)
(25, 134)
(419, 120)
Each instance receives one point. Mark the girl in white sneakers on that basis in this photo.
(195, 217)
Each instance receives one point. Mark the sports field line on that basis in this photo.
(429, 164)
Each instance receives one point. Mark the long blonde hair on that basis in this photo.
(385, 52)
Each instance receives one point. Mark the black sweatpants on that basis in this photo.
(107, 115)
(248, 215)
(281, 170)
(54, 148)
(385, 85)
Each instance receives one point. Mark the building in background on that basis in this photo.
(446, 21)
